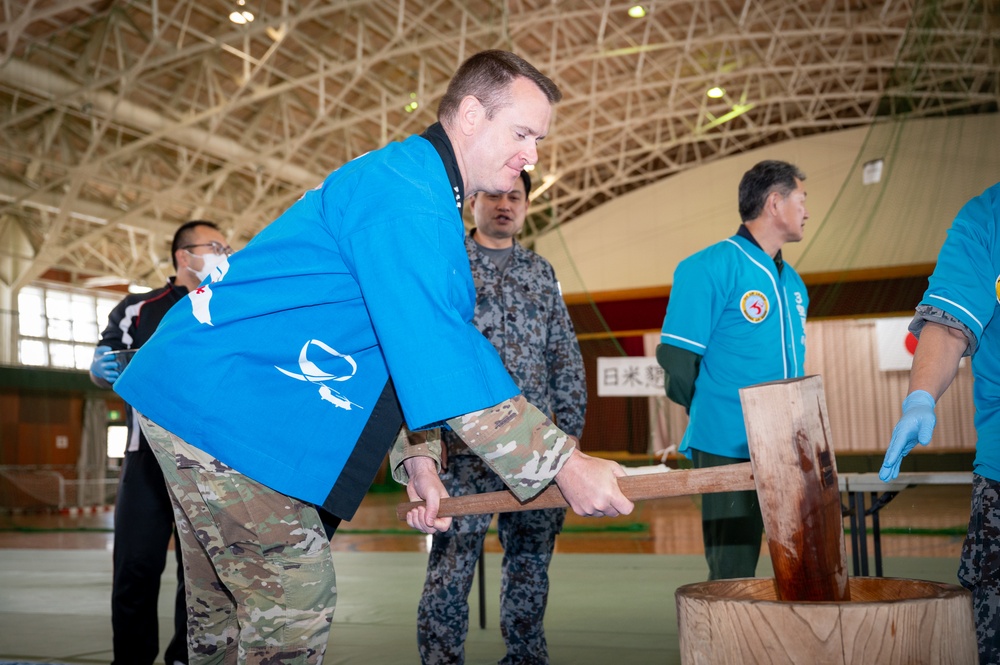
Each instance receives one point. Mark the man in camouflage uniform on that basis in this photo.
(519, 309)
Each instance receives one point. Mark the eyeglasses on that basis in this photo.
(217, 248)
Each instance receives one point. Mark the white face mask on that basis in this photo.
(209, 263)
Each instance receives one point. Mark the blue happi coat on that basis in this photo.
(280, 363)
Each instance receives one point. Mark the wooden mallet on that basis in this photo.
(792, 468)
(636, 488)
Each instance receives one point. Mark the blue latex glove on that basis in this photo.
(104, 367)
(915, 426)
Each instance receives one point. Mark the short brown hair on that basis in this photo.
(487, 76)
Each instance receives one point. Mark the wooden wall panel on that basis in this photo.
(863, 401)
(40, 429)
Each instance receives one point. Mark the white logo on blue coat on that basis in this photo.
(202, 295)
(311, 373)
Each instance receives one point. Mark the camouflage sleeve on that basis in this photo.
(933, 314)
(517, 441)
(413, 444)
(567, 380)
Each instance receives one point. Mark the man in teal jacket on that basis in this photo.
(736, 317)
(955, 318)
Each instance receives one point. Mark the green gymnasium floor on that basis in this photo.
(607, 609)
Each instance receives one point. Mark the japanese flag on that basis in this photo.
(896, 343)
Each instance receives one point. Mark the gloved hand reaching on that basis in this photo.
(104, 366)
(916, 425)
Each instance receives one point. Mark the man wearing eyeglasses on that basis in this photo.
(144, 518)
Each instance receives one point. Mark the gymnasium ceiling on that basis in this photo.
(121, 120)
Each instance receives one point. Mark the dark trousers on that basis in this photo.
(528, 539)
(144, 522)
(731, 525)
(979, 567)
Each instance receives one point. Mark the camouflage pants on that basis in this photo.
(528, 539)
(979, 569)
(257, 565)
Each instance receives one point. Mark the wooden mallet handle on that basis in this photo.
(730, 478)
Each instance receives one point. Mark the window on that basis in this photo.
(60, 326)
(117, 440)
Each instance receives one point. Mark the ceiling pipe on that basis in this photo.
(45, 83)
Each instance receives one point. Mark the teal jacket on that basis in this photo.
(966, 285)
(730, 305)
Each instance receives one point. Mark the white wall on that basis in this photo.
(16, 254)
(931, 168)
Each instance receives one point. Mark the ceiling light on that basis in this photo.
(241, 17)
(103, 281)
(636, 11)
(412, 106)
(716, 92)
(548, 180)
